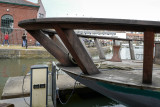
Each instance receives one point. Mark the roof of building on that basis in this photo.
(133, 34)
(20, 2)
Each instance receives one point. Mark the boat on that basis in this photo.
(121, 83)
(131, 82)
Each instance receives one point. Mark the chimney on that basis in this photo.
(39, 1)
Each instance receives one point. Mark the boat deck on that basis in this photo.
(125, 73)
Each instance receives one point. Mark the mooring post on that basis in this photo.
(81, 39)
(131, 48)
(99, 48)
(116, 54)
(148, 56)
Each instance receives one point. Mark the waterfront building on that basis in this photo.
(13, 11)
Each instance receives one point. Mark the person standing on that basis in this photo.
(24, 38)
(6, 39)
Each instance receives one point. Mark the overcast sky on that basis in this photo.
(124, 9)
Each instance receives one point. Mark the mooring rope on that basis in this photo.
(23, 91)
(71, 92)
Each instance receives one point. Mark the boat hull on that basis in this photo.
(133, 97)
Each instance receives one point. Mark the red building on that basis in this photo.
(136, 36)
(13, 11)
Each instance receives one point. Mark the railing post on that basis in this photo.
(99, 48)
(157, 53)
(131, 48)
(81, 39)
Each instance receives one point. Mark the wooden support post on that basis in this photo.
(148, 56)
(131, 48)
(81, 39)
(58, 42)
(77, 50)
(51, 47)
(99, 48)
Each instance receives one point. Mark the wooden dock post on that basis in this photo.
(99, 48)
(131, 48)
(148, 56)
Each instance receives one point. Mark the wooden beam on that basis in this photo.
(51, 47)
(106, 37)
(58, 42)
(131, 48)
(148, 56)
(99, 48)
(77, 50)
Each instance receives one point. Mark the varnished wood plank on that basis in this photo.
(91, 23)
(148, 56)
(99, 48)
(59, 43)
(51, 47)
(77, 50)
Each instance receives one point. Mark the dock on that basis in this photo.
(19, 102)
(13, 86)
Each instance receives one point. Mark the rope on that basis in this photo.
(70, 94)
(23, 91)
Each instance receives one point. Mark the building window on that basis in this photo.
(7, 24)
(41, 15)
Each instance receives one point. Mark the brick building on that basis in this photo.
(13, 11)
(135, 35)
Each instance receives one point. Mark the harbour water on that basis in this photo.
(19, 67)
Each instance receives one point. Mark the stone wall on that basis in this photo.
(25, 53)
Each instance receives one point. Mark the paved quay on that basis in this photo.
(13, 86)
(15, 51)
(20, 102)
